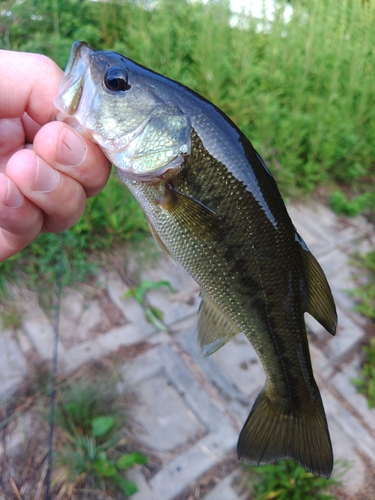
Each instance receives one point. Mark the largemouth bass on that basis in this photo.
(214, 206)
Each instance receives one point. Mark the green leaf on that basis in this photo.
(157, 312)
(155, 321)
(129, 459)
(127, 487)
(101, 425)
(105, 467)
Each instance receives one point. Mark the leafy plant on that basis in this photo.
(366, 292)
(287, 481)
(366, 383)
(152, 313)
(85, 458)
(91, 453)
(342, 205)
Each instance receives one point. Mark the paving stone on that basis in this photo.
(189, 401)
(348, 334)
(165, 420)
(349, 428)
(342, 382)
(234, 370)
(76, 328)
(120, 336)
(241, 365)
(192, 464)
(225, 490)
(347, 437)
(82, 353)
(320, 362)
(40, 331)
(191, 409)
(12, 364)
(72, 304)
(20, 434)
(23, 341)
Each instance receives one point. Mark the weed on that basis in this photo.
(366, 292)
(342, 205)
(302, 92)
(287, 481)
(86, 460)
(152, 313)
(11, 317)
(91, 453)
(366, 383)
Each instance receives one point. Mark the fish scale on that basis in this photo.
(214, 206)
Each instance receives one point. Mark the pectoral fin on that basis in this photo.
(320, 303)
(215, 329)
(192, 214)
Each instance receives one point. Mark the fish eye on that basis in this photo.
(116, 79)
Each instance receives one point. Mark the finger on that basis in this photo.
(20, 220)
(30, 127)
(12, 139)
(67, 151)
(29, 83)
(61, 198)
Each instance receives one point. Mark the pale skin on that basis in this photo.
(47, 170)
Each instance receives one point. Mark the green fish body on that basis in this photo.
(214, 206)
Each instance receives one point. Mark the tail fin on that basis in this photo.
(273, 432)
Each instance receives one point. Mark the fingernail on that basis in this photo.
(46, 177)
(14, 198)
(72, 149)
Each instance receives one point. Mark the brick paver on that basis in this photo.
(190, 410)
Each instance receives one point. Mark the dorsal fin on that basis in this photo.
(215, 329)
(320, 303)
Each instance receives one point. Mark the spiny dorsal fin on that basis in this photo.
(320, 303)
(215, 329)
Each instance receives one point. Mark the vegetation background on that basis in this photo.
(302, 91)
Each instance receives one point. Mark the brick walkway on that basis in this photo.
(190, 411)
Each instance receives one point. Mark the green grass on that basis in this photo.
(287, 481)
(366, 382)
(365, 294)
(302, 92)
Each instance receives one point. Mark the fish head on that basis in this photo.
(125, 109)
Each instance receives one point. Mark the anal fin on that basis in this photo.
(215, 329)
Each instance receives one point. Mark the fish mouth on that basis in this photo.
(72, 103)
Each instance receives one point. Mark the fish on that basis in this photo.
(213, 205)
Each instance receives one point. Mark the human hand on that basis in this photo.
(47, 170)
